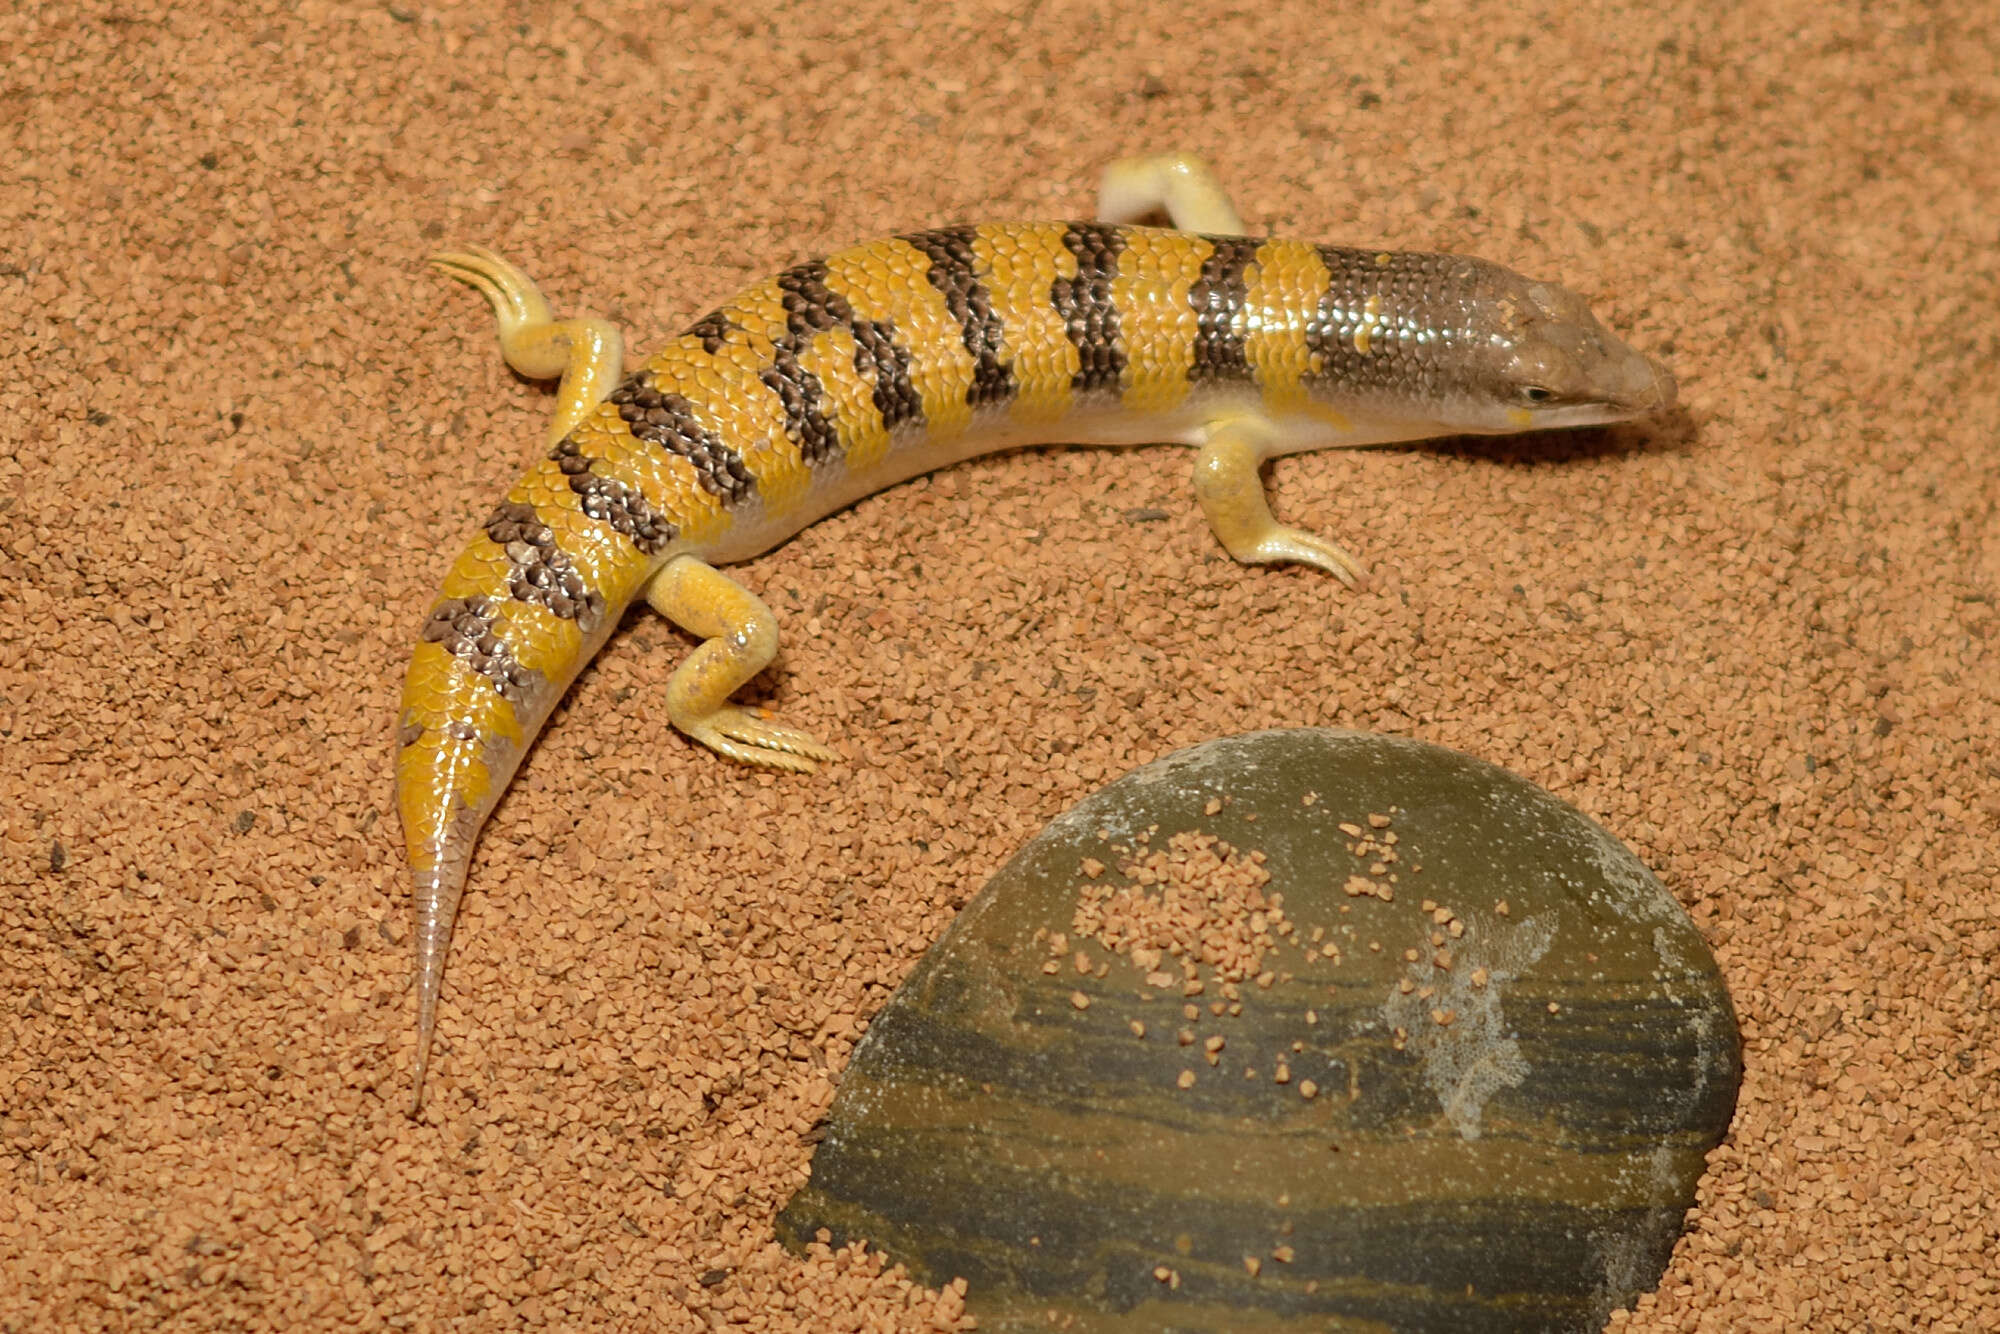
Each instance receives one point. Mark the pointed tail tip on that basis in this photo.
(417, 1078)
(426, 1030)
(437, 892)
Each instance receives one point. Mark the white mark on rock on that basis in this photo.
(1471, 1057)
(1625, 886)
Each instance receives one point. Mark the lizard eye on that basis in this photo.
(1535, 393)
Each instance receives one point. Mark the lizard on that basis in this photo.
(842, 376)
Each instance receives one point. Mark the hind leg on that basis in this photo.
(1182, 185)
(588, 354)
(739, 639)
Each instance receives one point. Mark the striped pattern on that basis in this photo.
(951, 268)
(1219, 298)
(843, 375)
(900, 345)
(1089, 315)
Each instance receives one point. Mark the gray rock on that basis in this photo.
(1216, 1051)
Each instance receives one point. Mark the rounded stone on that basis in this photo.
(1299, 1030)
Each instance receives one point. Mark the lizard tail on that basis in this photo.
(437, 891)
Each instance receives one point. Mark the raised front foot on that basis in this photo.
(1183, 185)
(739, 639)
(1228, 482)
(589, 354)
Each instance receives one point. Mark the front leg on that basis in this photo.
(1229, 483)
(1181, 185)
(739, 639)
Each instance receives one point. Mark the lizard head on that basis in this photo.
(1540, 360)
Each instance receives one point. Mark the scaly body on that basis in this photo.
(843, 376)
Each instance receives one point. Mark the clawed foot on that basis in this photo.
(750, 736)
(1296, 546)
(512, 294)
(589, 354)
